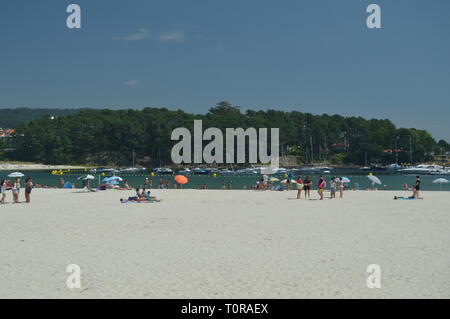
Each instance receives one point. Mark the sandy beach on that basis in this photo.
(225, 244)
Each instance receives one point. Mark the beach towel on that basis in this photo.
(136, 202)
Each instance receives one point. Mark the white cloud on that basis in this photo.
(141, 34)
(177, 36)
(131, 82)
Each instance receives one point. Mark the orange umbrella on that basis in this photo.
(180, 179)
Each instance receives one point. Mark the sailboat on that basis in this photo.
(132, 169)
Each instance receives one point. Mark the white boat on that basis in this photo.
(423, 169)
(246, 171)
(185, 171)
(132, 170)
(443, 171)
(199, 171)
(107, 171)
(268, 170)
(394, 168)
(162, 170)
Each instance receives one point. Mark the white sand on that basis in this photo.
(225, 244)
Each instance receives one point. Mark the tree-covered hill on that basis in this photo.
(109, 137)
(11, 117)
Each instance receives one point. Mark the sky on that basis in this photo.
(315, 56)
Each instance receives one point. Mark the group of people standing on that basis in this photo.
(336, 185)
(15, 189)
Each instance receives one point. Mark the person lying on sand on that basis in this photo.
(410, 197)
(143, 197)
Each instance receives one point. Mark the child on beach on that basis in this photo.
(299, 187)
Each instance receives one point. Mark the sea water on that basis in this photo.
(358, 180)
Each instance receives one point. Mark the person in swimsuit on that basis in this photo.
(307, 186)
(3, 191)
(333, 187)
(321, 187)
(416, 187)
(340, 186)
(28, 188)
(299, 187)
(16, 190)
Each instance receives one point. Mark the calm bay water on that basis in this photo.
(358, 179)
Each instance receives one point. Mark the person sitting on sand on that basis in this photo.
(138, 193)
(151, 198)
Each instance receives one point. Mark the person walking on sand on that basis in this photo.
(299, 187)
(2, 191)
(16, 190)
(416, 187)
(28, 188)
(321, 187)
(307, 183)
(333, 182)
(340, 187)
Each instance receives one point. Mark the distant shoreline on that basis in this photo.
(33, 166)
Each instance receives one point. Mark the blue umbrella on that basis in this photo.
(112, 179)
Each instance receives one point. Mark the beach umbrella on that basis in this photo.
(112, 179)
(441, 181)
(345, 180)
(181, 179)
(374, 179)
(87, 177)
(16, 175)
(284, 181)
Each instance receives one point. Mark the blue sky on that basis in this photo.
(311, 56)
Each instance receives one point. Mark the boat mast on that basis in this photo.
(410, 150)
(159, 151)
